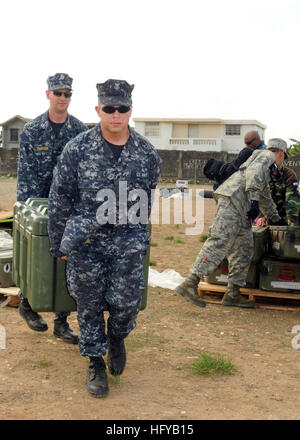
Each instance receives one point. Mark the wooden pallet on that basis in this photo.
(213, 293)
(9, 295)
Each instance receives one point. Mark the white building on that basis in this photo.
(197, 134)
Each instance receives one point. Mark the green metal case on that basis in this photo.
(285, 241)
(280, 275)
(261, 242)
(41, 277)
(6, 257)
(220, 275)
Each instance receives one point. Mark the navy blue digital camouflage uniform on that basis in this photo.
(38, 152)
(105, 262)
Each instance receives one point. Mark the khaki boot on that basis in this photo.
(233, 297)
(189, 290)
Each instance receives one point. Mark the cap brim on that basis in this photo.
(276, 150)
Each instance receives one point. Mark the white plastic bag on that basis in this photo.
(6, 241)
(168, 279)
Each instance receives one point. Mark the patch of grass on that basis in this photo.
(152, 263)
(116, 381)
(203, 238)
(153, 244)
(169, 237)
(178, 240)
(177, 226)
(213, 365)
(44, 363)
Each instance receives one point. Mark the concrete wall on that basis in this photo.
(8, 161)
(189, 164)
(294, 163)
(176, 164)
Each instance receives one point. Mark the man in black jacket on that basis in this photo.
(219, 171)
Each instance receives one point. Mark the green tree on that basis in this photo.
(294, 148)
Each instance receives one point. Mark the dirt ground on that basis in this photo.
(44, 378)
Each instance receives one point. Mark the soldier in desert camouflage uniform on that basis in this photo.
(283, 187)
(231, 234)
(42, 141)
(104, 252)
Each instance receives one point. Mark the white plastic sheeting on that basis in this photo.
(168, 279)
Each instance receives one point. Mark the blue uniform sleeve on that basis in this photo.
(61, 199)
(27, 182)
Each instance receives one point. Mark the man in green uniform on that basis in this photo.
(283, 186)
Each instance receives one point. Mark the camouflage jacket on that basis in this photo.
(87, 176)
(286, 197)
(38, 152)
(251, 182)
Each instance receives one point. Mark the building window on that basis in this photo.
(14, 135)
(193, 131)
(233, 130)
(152, 129)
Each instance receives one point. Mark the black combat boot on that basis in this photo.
(97, 384)
(189, 290)
(33, 319)
(62, 330)
(116, 357)
(233, 297)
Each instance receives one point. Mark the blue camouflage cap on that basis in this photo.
(115, 92)
(59, 81)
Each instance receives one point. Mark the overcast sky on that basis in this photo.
(233, 59)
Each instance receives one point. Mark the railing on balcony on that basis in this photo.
(194, 142)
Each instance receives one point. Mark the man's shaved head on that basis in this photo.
(252, 139)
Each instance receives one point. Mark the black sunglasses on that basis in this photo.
(111, 109)
(250, 142)
(67, 94)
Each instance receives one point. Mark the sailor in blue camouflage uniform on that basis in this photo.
(42, 141)
(99, 205)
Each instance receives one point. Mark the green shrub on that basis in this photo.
(203, 238)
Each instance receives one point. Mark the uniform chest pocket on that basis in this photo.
(139, 178)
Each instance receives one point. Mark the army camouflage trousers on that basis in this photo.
(99, 282)
(228, 237)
